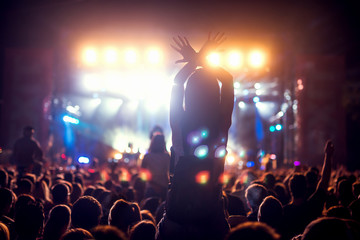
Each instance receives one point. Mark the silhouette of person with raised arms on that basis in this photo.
(26, 151)
(200, 117)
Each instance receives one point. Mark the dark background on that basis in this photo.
(323, 28)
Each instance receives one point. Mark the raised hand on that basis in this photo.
(329, 148)
(211, 44)
(185, 49)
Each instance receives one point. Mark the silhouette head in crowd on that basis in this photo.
(253, 231)
(254, 195)
(331, 229)
(124, 215)
(58, 222)
(271, 213)
(345, 193)
(356, 189)
(23, 200)
(29, 220)
(24, 186)
(6, 202)
(108, 233)
(77, 234)
(3, 178)
(339, 212)
(86, 213)
(76, 193)
(298, 189)
(269, 181)
(60, 193)
(144, 230)
(281, 193)
(146, 215)
(4, 232)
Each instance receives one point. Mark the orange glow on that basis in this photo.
(224, 178)
(89, 56)
(235, 59)
(125, 175)
(257, 59)
(214, 59)
(145, 175)
(111, 55)
(154, 56)
(130, 56)
(202, 177)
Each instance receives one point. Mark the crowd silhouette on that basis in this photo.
(182, 197)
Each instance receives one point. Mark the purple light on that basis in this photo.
(297, 163)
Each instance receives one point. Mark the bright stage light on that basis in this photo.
(202, 177)
(118, 156)
(92, 82)
(83, 160)
(256, 59)
(154, 56)
(72, 120)
(111, 55)
(235, 59)
(130, 56)
(241, 104)
(214, 59)
(230, 159)
(90, 56)
(256, 99)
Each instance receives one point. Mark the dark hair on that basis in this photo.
(76, 193)
(144, 230)
(29, 220)
(25, 186)
(339, 212)
(328, 228)
(86, 213)
(123, 215)
(252, 231)
(60, 193)
(23, 200)
(271, 212)
(269, 180)
(77, 234)
(157, 144)
(108, 233)
(255, 194)
(4, 232)
(6, 199)
(58, 222)
(297, 185)
(3, 178)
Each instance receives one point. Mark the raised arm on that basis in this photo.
(326, 170)
(177, 93)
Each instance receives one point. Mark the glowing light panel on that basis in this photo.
(111, 55)
(235, 60)
(256, 59)
(201, 151)
(83, 160)
(214, 59)
(90, 56)
(154, 56)
(130, 56)
(202, 177)
(72, 120)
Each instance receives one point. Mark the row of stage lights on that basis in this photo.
(93, 57)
